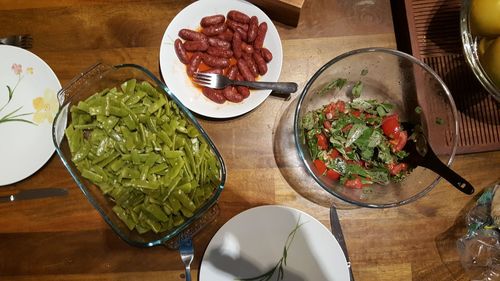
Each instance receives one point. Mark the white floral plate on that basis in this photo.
(174, 72)
(28, 104)
(252, 243)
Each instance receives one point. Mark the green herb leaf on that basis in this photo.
(364, 72)
(384, 153)
(308, 121)
(439, 121)
(337, 83)
(418, 109)
(375, 138)
(355, 132)
(356, 89)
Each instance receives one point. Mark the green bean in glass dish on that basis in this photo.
(137, 153)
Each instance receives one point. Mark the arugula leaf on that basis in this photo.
(384, 153)
(362, 105)
(356, 89)
(375, 138)
(354, 169)
(387, 107)
(308, 121)
(354, 133)
(401, 154)
(338, 164)
(379, 175)
(337, 83)
(381, 111)
(367, 153)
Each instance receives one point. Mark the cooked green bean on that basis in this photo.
(139, 148)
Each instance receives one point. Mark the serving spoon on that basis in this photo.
(421, 154)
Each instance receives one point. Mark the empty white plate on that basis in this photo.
(252, 243)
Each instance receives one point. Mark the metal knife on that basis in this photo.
(337, 232)
(38, 193)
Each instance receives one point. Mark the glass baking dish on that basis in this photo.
(97, 78)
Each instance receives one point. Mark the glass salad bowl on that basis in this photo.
(415, 93)
(133, 172)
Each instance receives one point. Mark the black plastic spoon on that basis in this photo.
(421, 154)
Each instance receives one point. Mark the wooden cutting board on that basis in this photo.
(284, 11)
(430, 30)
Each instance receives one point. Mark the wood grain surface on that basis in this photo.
(66, 239)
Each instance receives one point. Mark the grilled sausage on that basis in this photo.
(266, 54)
(251, 64)
(191, 35)
(194, 46)
(212, 20)
(261, 34)
(215, 62)
(238, 16)
(245, 71)
(234, 25)
(237, 45)
(213, 70)
(194, 64)
(246, 48)
(242, 90)
(219, 52)
(219, 43)
(232, 72)
(231, 94)
(213, 94)
(180, 51)
(260, 62)
(253, 26)
(226, 35)
(214, 29)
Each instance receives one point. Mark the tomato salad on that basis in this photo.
(357, 143)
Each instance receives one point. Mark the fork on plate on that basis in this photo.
(218, 81)
(24, 41)
(186, 250)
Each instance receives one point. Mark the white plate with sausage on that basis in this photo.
(264, 43)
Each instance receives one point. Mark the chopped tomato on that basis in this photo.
(322, 141)
(354, 183)
(334, 153)
(399, 141)
(346, 128)
(390, 125)
(320, 166)
(395, 169)
(369, 116)
(332, 174)
(331, 110)
(341, 106)
(327, 124)
(356, 113)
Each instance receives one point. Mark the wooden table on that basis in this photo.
(66, 239)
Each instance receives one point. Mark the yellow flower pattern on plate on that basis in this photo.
(45, 107)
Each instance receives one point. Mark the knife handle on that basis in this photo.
(7, 198)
